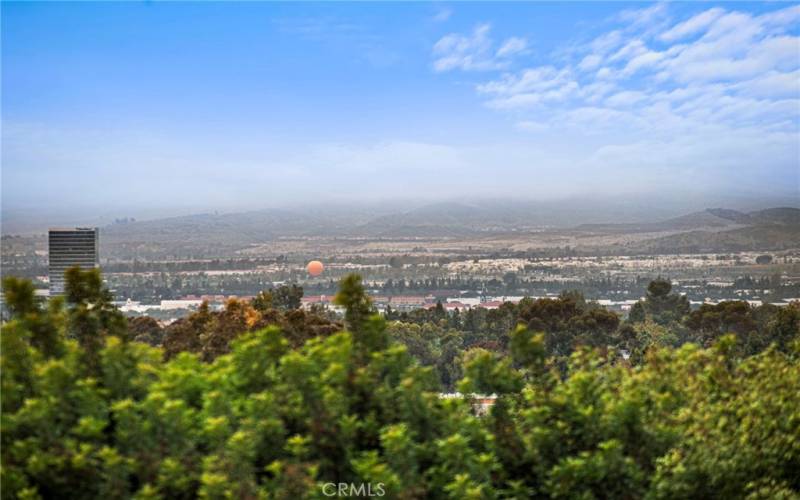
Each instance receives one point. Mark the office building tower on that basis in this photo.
(69, 248)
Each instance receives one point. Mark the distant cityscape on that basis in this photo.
(414, 279)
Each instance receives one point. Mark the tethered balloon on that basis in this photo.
(315, 268)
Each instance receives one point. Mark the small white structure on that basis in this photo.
(167, 305)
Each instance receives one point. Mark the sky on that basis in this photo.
(246, 105)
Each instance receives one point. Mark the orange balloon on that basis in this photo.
(315, 268)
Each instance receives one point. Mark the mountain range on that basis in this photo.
(713, 229)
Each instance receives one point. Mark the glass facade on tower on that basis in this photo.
(68, 248)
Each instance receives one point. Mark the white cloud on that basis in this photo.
(781, 18)
(643, 17)
(596, 91)
(512, 46)
(736, 56)
(443, 15)
(464, 52)
(532, 126)
(629, 51)
(717, 90)
(626, 98)
(772, 84)
(605, 74)
(643, 60)
(731, 47)
(530, 80)
(590, 62)
(474, 52)
(693, 25)
(530, 87)
(607, 42)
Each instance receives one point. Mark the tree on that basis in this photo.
(568, 322)
(659, 289)
(422, 342)
(784, 327)
(91, 315)
(184, 335)
(43, 325)
(263, 301)
(711, 321)
(300, 326)
(212, 332)
(19, 296)
(147, 330)
(354, 299)
(764, 259)
(236, 318)
(287, 297)
(660, 305)
(638, 314)
(646, 336)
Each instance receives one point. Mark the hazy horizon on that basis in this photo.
(642, 207)
(173, 107)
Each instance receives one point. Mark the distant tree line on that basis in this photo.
(569, 322)
(439, 339)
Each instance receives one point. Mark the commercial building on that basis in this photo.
(69, 248)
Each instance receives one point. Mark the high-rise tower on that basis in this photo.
(68, 248)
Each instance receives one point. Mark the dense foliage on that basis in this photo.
(88, 412)
(662, 319)
(210, 333)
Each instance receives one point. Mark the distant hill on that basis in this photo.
(752, 238)
(781, 215)
(714, 229)
(731, 215)
(202, 234)
(709, 219)
(482, 217)
(447, 219)
(711, 230)
(260, 226)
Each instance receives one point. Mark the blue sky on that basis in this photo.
(228, 106)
